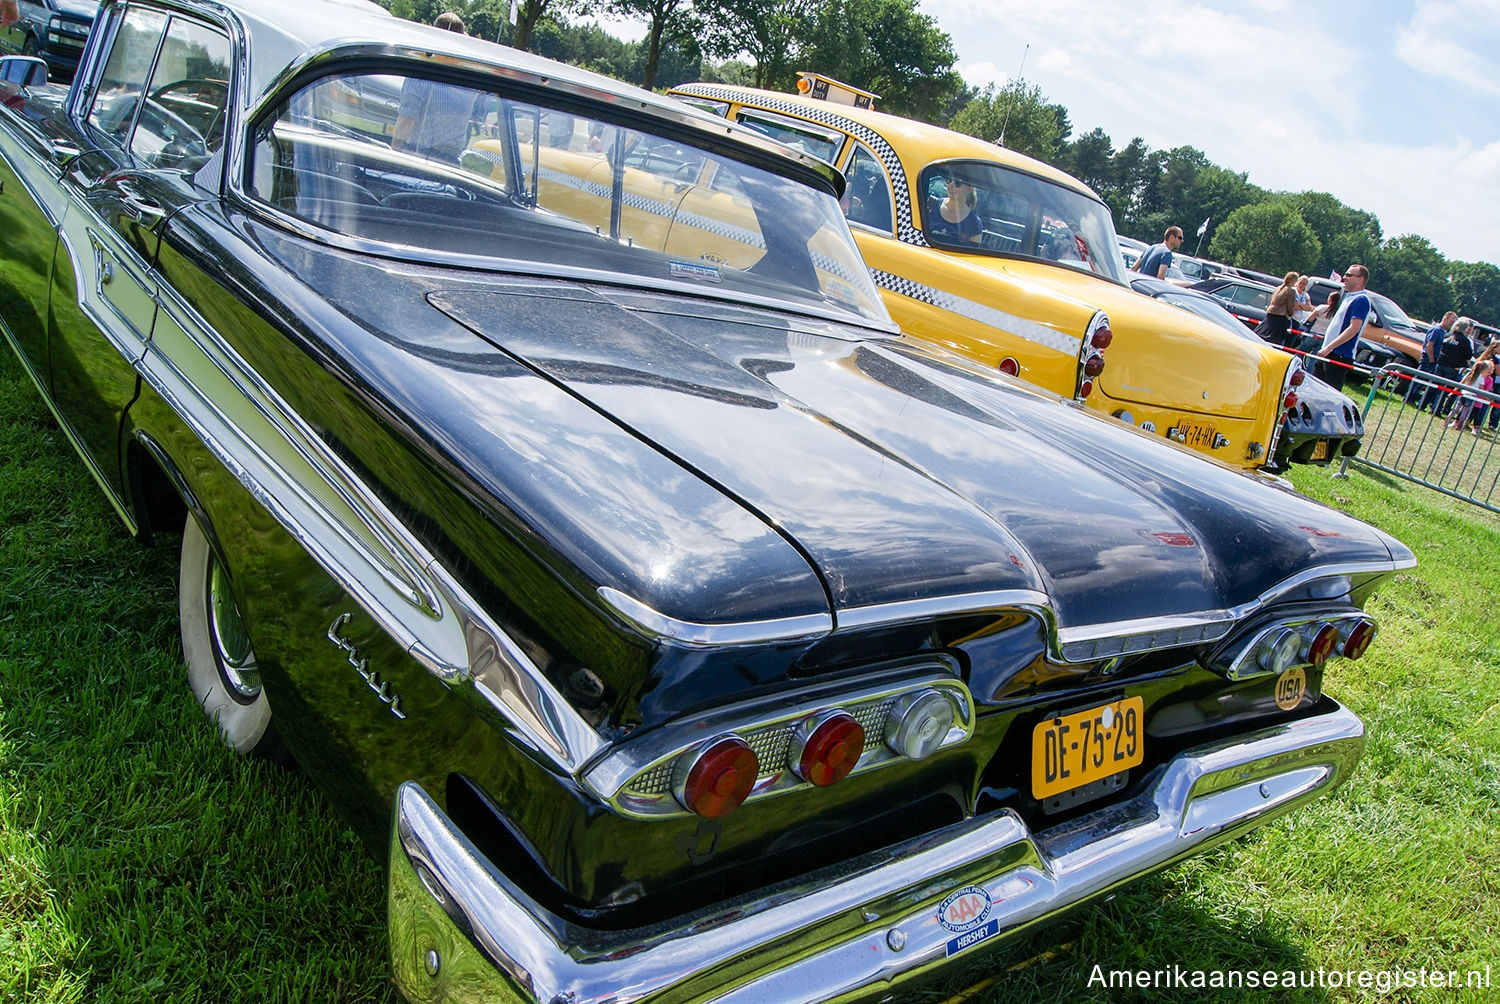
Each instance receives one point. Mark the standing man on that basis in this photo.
(1158, 257)
(434, 118)
(1453, 357)
(1336, 356)
(9, 13)
(1427, 362)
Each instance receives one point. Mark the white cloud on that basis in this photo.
(1288, 92)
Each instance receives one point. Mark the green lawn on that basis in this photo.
(140, 861)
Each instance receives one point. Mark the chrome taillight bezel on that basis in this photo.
(637, 777)
(1285, 643)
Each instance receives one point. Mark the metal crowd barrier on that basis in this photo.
(1409, 433)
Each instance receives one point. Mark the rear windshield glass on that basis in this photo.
(436, 167)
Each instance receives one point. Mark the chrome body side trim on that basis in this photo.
(1085, 643)
(694, 635)
(350, 532)
(1022, 327)
(461, 929)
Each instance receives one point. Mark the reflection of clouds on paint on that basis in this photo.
(1366, 101)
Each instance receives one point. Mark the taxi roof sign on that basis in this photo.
(827, 89)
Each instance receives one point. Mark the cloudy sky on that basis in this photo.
(1393, 106)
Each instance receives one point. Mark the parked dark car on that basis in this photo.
(1322, 424)
(679, 629)
(1246, 299)
(54, 30)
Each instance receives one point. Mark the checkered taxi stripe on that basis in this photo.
(906, 229)
(1021, 327)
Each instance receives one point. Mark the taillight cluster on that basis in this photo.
(824, 747)
(1295, 375)
(1091, 354)
(1312, 642)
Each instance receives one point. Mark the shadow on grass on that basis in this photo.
(142, 860)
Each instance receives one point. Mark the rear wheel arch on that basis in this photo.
(221, 666)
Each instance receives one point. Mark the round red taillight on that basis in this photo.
(717, 779)
(1102, 337)
(1009, 366)
(825, 749)
(1085, 389)
(1093, 365)
(1290, 402)
(1322, 644)
(1359, 639)
(1298, 376)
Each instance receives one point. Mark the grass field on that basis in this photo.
(140, 861)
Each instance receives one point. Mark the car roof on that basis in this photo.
(903, 133)
(323, 29)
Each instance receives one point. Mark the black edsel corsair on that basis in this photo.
(555, 488)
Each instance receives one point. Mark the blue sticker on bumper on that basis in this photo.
(971, 938)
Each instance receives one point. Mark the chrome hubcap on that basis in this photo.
(232, 649)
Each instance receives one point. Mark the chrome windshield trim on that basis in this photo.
(665, 628)
(549, 270)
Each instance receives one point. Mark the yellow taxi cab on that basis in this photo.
(1015, 263)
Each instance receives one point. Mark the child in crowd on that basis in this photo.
(1470, 407)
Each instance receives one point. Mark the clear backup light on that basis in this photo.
(1298, 376)
(918, 723)
(1279, 651)
(1361, 633)
(825, 749)
(715, 781)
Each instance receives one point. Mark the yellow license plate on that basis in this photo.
(1073, 750)
(1320, 450)
(1196, 433)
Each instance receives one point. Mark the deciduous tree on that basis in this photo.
(1268, 236)
(1017, 112)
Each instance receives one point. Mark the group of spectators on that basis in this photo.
(1450, 351)
(1332, 331)
(1333, 327)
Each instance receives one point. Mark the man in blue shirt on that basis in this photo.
(1158, 257)
(1427, 362)
(1336, 356)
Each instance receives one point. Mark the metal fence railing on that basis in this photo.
(1432, 431)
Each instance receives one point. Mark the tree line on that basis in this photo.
(891, 48)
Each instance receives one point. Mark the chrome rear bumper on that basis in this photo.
(461, 931)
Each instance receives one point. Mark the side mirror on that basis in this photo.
(23, 71)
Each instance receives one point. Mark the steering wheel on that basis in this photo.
(203, 94)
